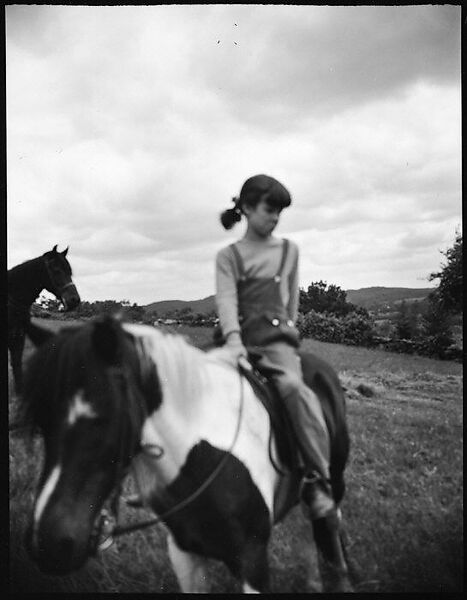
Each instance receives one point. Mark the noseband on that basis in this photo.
(69, 284)
(51, 277)
(104, 526)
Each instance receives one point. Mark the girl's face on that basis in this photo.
(262, 219)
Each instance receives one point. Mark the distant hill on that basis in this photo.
(372, 298)
(164, 307)
(377, 298)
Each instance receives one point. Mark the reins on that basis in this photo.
(119, 530)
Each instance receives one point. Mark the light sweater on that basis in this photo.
(260, 259)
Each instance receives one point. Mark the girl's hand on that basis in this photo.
(232, 351)
(236, 348)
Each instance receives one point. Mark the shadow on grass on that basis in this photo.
(435, 567)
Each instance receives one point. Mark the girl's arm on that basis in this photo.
(292, 306)
(226, 295)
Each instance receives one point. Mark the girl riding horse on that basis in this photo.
(257, 300)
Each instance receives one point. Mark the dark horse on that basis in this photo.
(110, 397)
(52, 272)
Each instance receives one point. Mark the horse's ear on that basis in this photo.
(106, 339)
(65, 252)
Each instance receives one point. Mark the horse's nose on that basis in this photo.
(55, 559)
(71, 298)
(60, 562)
(73, 302)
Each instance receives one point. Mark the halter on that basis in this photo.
(49, 273)
(119, 530)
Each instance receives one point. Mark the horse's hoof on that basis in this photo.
(344, 587)
(313, 586)
(341, 585)
(335, 580)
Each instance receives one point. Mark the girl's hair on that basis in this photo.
(256, 188)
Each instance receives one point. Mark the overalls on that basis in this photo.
(267, 330)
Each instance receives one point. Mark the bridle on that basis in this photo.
(157, 451)
(51, 277)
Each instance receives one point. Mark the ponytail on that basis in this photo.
(232, 215)
(255, 189)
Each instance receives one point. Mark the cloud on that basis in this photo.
(129, 129)
(322, 60)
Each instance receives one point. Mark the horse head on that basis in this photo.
(82, 391)
(59, 281)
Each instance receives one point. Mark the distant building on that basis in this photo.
(165, 322)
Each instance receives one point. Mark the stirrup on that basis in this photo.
(311, 477)
(320, 503)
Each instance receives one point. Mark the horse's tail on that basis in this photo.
(38, 335)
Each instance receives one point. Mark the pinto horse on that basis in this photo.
(52, 272)
(110, 398)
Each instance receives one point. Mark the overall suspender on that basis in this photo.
(285, 249)
(240, 267)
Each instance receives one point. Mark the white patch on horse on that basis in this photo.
(201, 399)
(42, 500)
(80, 409)
(252, 443)
(190, 569)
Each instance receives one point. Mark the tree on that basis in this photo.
(407, 321)
(152, 315)
(134, 312)
(450, 290)
(325, 299)
(437, 327)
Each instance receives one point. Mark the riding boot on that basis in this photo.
(331, 555)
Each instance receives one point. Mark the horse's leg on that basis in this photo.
(331, 558)
(254, 567)
(189, 568)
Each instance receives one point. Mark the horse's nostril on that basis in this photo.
(64, 554)
(58, 562)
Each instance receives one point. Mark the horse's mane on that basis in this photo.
(44, 381)
(68, 361)
(24, 265)
(17, 273)
(150, 358)
(180, 365)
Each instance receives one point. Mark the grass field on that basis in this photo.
(403, 508)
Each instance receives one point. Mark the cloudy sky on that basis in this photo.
(130, 128)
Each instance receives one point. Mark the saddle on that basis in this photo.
(287, 450)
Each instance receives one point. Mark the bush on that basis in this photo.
(355, 328)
